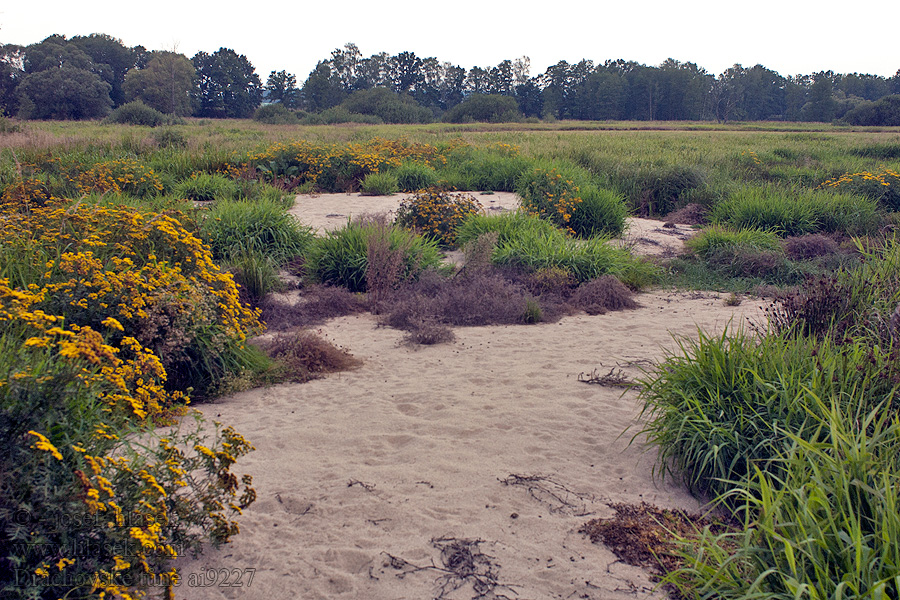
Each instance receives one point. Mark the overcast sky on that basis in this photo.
(787, 36)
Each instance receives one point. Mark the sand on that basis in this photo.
(387, 481)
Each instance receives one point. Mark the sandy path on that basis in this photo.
(361, 471)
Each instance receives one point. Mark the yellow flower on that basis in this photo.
(44, 444)
(113, 324)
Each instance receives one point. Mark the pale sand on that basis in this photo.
(375, 463)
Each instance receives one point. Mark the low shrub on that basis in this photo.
(882, 186)
(690, 214)
(136, 113)
(566, 197)
(603, 294)
(123, 176)
(170, 138)
(437, 214)
(657, 190)
(206, 187)
(275, 114)
(146, 271)
(342, 256)
(380, 184)
(317, 304)
(262, 228)
(303, 356)
(491, 108)
(806, 247)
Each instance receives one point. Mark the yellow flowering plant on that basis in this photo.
(437, 214)
(94, 499)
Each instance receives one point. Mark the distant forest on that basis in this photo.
(88, 77)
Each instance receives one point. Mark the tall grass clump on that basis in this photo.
(341, 257)
(263, 227)
(206, 187)
(413, 176)
(824, 526)
(797, 212)
(582, 259)
(720, 406)
(507, 226)
(494, 168)
(380, 184)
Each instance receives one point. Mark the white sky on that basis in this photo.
(787, 36)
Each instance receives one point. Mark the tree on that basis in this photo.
(111, 61)
(12, 69)
(166, 83)
(281, 87)
(55, 52)
(322, 89)
(345, 65)
(407, 71)
(63, 93)
(227, 85)
(492, 108)
(821, 105)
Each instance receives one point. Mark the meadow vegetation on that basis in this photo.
(137, 260)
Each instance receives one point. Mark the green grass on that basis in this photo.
(263, 227)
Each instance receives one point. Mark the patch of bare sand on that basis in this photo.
(489, 446)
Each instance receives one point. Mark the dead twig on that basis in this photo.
(556, 496)
(615, 378)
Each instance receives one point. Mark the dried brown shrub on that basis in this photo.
(303, 356)
(690, 214)
(603, 294)
(317, 304)
(805, 247)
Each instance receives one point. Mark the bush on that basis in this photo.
(122, 176)
(565, 196)
(490, 108)
(206, 187)
(380, 184)
(656, 190)
(304, 356)
(170, 138)
(884, 112)
(437, 214)
(387, 105)
(317, 304)
(342, 256)
(414, 176)
(275, 114)
(146, 271)
(806, 247)
(603, 294)
(136, 113)
(882, 186)
(263, 228)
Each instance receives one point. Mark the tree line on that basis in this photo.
(85, 77)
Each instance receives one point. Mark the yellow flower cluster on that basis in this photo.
(881, 177)
(121, 175)
(552, 196)
(335, 167)
(437, 214)
(753, 157)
